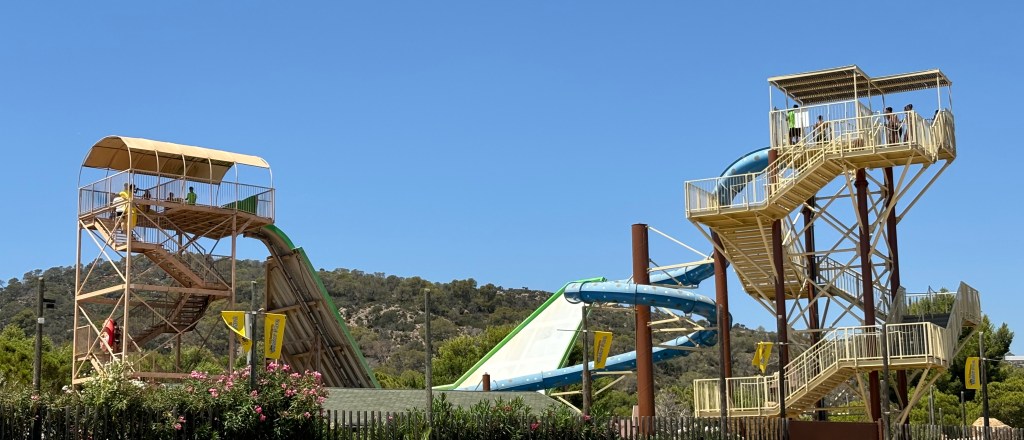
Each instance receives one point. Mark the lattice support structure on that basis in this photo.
(151, 257)
(828, 274)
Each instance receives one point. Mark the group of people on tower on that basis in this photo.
(821, 131)
(896, 129)
(122, 201)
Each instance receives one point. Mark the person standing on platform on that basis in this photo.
(908, 123)
(123, 207)
(892, 126)
(147, 197)
(191, 197)
(822, 131)
(794, 130)
(120, 202)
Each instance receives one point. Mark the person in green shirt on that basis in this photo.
(794, 130)
(190, 198)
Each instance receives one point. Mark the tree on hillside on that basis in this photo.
(17, 356)
(997, 344)
(458, 355)
(1006, 398)
(949, 385)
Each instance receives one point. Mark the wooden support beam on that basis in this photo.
(85, 297)
(294, 307)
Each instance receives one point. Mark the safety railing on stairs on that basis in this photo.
(835, 358)
(842, 277)
(928, 305)
(832, 139)
(943, 131)
(860, 348)
(896, 309)
(752, 396)
(214, 270)
(842, 352)
(966, 312)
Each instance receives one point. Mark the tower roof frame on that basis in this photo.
(120, 153)
(850, 82)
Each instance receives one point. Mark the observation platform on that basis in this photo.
(802, 169)
(169, 186)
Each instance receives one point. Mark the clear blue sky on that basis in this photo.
(510, 142)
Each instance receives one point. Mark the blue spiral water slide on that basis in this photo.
(667, 290)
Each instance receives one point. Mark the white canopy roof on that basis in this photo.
(124, 153)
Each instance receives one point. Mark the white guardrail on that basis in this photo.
(835, 138)
(844, 351)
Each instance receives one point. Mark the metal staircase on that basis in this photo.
(741, 209)
(802, 169)
(844, 352)
(812, 171)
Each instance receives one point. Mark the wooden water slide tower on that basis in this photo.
(158, 225)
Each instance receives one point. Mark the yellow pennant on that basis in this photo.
(972, 374)
(273, 335)
(238, 322)
(762, 355)
(602, 343)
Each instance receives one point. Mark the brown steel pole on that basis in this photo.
(894, 277)
(780, 313)
(722, 299)
(812, 274)
(724, 326)
(644, 346)
(780, 299)
(867, 287)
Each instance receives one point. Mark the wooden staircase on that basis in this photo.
(187, 312)
(177, 269)
(189, 307)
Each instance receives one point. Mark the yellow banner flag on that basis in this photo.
(762, 355)
(602, 343)
(273, 335)
(972, 375)
(237, 322)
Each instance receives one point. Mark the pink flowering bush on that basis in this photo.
(281, 406)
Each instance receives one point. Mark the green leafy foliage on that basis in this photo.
(17, 354)
(1005, 381)
(385, 316)
(456, 356)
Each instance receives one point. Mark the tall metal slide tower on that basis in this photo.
(812, 236)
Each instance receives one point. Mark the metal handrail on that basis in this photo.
(845, 136)
(850, 281)
(845, 349)
(161, 192)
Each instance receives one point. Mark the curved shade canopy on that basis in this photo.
(122, 153)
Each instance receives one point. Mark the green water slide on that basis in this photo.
(316, 337)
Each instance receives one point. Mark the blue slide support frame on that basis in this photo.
(655, 295)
